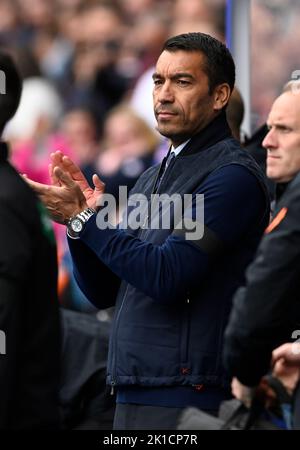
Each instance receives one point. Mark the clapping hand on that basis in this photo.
(91, 195)
(70, 192)
(62, 200)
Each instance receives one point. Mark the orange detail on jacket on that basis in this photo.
(276, 221)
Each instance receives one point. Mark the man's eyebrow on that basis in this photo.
(175, 76)
(278, 125)
(156, 75)
(182, 75)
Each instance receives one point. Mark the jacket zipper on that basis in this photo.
(185, 337)
(114, 355)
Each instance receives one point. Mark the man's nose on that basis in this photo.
(269, 140)
(166, 94)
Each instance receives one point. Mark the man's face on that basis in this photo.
(182, 104)
(283, 139)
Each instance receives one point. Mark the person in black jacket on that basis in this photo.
(174, 288)
(266, 311)
(29, 319)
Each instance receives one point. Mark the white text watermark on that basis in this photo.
(296, 344)
(2, 343)
(158, 211)
(2, 82)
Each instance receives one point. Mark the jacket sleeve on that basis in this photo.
(233, 205)
(265, 312)
(98, 283)
(15, 251)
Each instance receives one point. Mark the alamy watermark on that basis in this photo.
(295, 78)
(2, 343)
(296, 344)
(158, 211)
(2, 82)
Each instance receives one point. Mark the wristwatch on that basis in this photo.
(76, 224)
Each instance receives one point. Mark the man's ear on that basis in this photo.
(221, 96)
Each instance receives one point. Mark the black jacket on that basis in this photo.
(267, 310)
(29, 369)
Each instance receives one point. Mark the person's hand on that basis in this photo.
(286, 365)
(92, 196)
(63, 200)
(243, 393)
(265, 393)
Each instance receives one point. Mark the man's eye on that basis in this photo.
(157, 82)
(183, 82)
(284, 129)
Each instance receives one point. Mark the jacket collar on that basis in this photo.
(217, 130)
(3, 151)
(281, 188)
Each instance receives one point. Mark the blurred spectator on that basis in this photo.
(235, 113)
(95, 81)
(254, 146)
(79, 130)
(31, 133)
(38, 114)
(141, 98)
(30, 368)
(54, 54)
(266, 311)
(142, 44)
(274, 25)
(134, 10)
(129, 146)
(192, 10)
(9, 23)
(39, 111)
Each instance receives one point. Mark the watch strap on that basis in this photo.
(83, 216)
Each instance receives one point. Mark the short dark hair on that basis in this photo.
(10, 98)
(219, 66)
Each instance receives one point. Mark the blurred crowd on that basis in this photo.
(87, 68)
(274, 52)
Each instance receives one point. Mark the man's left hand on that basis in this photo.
(63, 201)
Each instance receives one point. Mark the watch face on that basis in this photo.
(76, 225)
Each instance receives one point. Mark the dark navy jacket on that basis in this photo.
(175, 297)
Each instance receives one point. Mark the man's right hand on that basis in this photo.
(286, 365)
(91, 195)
